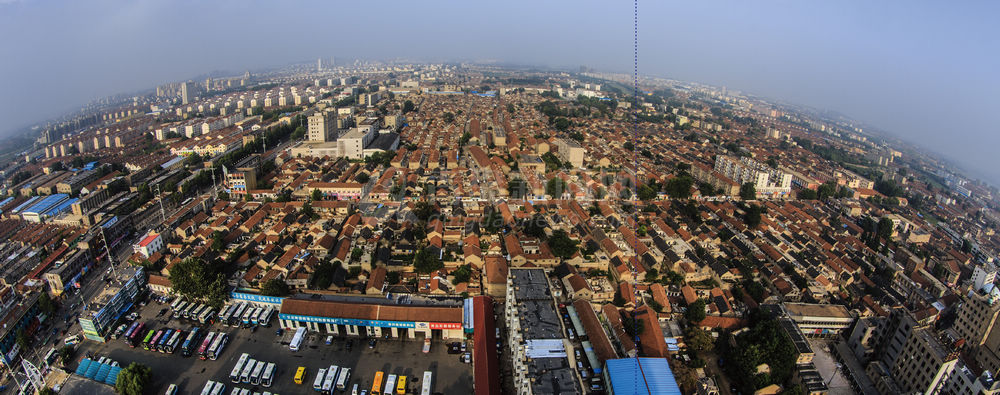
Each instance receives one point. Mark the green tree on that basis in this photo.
(66, 355)
(308, 210)
(629, 146)
(807, 194)
(555, 187)
(562, 124)
(46, 304)
(133, 379)
(695, 311)
(22, 339)
(408, 106)
(698, 339)
(646, 193)
(679, 187)
(424, 210)
(884, 230)
(195, 279)
(317, 195)
(561, 245)
(752, 216)
(425, 261)
(47, 391)
(462, 274)
(510, 108)
(392, 278)
(748, 192)
(274, 287)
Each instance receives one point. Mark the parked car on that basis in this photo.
(371, 343)
(279, 332)
(427, 346)
(329, 340)
(467, 358)
(454, 348)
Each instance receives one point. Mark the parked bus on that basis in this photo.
(234, 319)
(134, 333)
(246, 315)
(401, 385)
(268, 375)
(343, 378)
(330, 379)
(191, 342)
(148, 338)
(318, 381)
(197, 311)
(300, 375)
(156, 339)
(300, 335)
(187, 310)
(209, 386)
(219, 389)
(390, 384)
(206, 316)
(265, 317)
(203, 349)
(158, 344)
(377, 384)
(258, 370)
(225, 313)
(234, 376)
(131, 329)
(171, 345)
(247, 371)
(217, 346)
(167, 338)
(179, 310)
(426, 384)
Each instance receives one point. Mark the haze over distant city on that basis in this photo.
(920, 70)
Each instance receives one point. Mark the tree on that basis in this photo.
(449, 117)
(884, 228)
(562, 124)
(555, 187)
(752, 216)
(133, 379)
(807, 194)
(392, 278)
(646, 193)
(193, 160)
(629, 146)
(510, 108)
(426, 262)
(22, 339)
(535, 226)
(698, 339)
(679, 187)
(748, 191)
(424, 210)
(561, 245)
(695, 311)
(196, 279)
(362, 178)
(274, 287)
(317, 195)
(66, 355)
(307, 210)
(47, 391)
(46, 304)
(462, 274)
(408, 106)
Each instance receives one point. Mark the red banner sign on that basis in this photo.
(445, 325)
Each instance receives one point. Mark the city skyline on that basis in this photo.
(875, 63)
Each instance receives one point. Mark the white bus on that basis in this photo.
(268, 376)
(331, 377)
(258, 370)
(236, 391)
(224, 313)
(175, 339)
(318, 382)
(234, 376)
(247, 370)
(179, 310)
(268, 315)
(206, 315)
(209, 386)
(300, 335)
(390, 385)
(234, 320)
(426, 384)
(219, 388)
(176, 302)
(218, 345)
(193, 313)
(343, 378)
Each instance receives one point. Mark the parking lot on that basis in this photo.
(451, 375)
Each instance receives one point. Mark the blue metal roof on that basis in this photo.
(46, 203)
(641, 376)
(81, 369)
(61, 207)
(112, 378)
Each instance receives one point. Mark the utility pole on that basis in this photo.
(107, 250)
(159, 197)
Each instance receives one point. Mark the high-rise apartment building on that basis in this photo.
(323, 126)
(767, 181)
(186, 92)
(570, 151)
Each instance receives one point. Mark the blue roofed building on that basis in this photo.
(640, 376)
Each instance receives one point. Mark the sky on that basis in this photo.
(921, 70)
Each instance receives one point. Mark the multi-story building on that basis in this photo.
(570, 151)
(925, 364)
(149, 245)
(767, 181)
(117, 298)
(352, 144)
(67, 271)
(244, 178)
(535, 336)
(976, 318)
(17, 313)
(323, 126)
(819, 320)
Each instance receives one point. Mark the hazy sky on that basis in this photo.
(922, 70)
